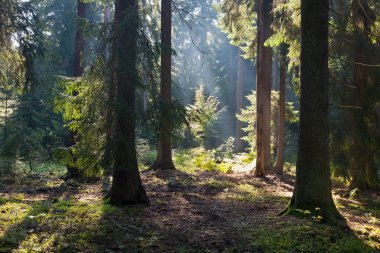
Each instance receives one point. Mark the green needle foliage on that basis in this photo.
(202, 116)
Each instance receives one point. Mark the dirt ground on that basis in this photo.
(201, 212)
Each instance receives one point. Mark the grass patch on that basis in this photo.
(199, 159)
(62, 226)
(305, 236)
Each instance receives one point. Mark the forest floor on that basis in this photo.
(190, 211)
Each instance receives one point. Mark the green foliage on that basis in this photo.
(202, 116)
(82, 104)
(31, 131)
(354, 92)
(199, 159)
(238, 21)
(248, 116)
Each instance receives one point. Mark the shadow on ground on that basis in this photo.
(202, 212)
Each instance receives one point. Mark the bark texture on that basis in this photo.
(279, 168)
(239, 143)
(263, 90)
(312, 190)
(164, 159)
(79, 39)
(126, 187)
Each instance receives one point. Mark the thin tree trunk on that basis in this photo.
(263, 90)
(110, 123)
(275, 113)
(72, 170)
(79, 39)
(239, 146)
(6, 116)
(312, 190)
(279, 168)
(164, 159)
(127, 186)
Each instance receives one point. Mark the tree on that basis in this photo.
(202, 116)
(363, 168)
(239, 146)
(263, 90)
(312, 190)
(127, 186)
(279, 167)
(79, 39)
(355, 135)
(164, 159)
(72, 170)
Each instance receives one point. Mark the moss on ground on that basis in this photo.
(192, 210)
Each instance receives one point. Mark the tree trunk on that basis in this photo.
(312, 190)
(239, 146)
(275, 113)
(126, 187)
(263, 90)
(72, 170)
(164, 151)
(363, 169)
(6, 116)
(79, 39)
(110, 123)
(279, 168)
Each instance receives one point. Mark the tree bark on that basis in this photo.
(79, 39)
(363, 168)
(279, 168)
(72, 170)
(164, 159)
(275, 113)
(312, 190)
(110, 123)
(127, 186)
(263, 90)
(239, 143)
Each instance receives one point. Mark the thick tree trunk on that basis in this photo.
(312, 190)
(164, 159)
(239, 146)
(263, 90)
(126, 187)
(72, 170)
(279, 168)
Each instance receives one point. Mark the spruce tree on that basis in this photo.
(263, 90)
(312, 190)
(127, 186)
(164, 159)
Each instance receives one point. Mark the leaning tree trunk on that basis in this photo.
(126, 187)
(164, 159)
(72, 170)
(279, 168)
(239, 146)
(263, 90)
(312, 190)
